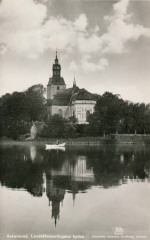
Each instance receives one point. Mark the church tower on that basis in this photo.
(56, 82)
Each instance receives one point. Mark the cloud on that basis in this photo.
(59, 32)
(3, 49)
(120, 8)
(26, 30)
(89, 66)
(81, 22)
(89, 44)
(121, 30)
(73, 66)
(21, 23)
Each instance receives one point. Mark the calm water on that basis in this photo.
(95, 192)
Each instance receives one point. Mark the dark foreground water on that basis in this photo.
(81, 193)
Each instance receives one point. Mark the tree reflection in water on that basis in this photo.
(38, 171)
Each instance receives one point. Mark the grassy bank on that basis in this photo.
(69, 141)
(112, 139)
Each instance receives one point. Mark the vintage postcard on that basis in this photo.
(75, 119)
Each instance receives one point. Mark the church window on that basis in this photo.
(87, 114)
(57, 87)
(60, 112)
(79, 116)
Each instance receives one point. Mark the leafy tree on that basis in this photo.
(13, 116)
(136, 118)
(36, 102)
(54, 127)
(19, 109)
(59, 127)
(114, 115)
(108, 114)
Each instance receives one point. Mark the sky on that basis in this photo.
(105, 44)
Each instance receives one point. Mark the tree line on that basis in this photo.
(112, 115)
(19, 109)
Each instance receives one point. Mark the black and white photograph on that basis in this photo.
(74, 119)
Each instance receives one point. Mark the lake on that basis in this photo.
(98, 192)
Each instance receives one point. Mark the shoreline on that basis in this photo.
(85, 141)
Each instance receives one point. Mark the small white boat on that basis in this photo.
(56, 146)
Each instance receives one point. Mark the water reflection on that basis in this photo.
(75, 171)
(55, 196)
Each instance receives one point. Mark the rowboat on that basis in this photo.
(56, 146)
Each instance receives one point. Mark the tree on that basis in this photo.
(14, 119)
(136, 118)
(36, 102)
(54, 127)
(114, 115)
(59, 127)
(19, 109)
(108, 114)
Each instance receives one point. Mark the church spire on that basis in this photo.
(56, 67)
(74, 82)
(56, 59)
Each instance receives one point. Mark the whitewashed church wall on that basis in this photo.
(81, 111)
(53, 90)
(55, 110)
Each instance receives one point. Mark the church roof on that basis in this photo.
(65, 97)
(68, 91)
(56, 80)
(82, 94)
(60, 101)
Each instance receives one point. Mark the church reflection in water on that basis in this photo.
(55, 196)
(74, 178)
(56, 173)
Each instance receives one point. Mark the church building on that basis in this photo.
(68, 102)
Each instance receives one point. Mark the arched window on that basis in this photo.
(60, 112)
(57, 87)
(87, 114)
